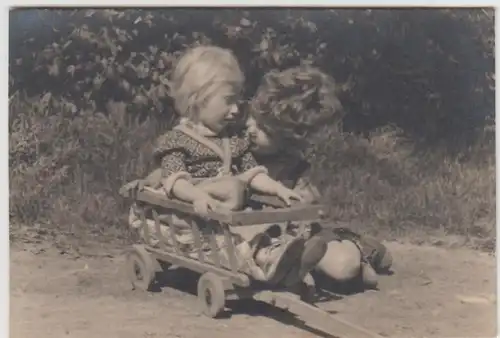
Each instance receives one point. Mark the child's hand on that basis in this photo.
(204, 204)
(288, 195)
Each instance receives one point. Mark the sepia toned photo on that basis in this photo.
(252, 172)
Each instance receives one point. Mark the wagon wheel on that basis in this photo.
(308, 289)
(140, 268)
(211, 294)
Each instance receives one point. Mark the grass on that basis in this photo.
(382, 186)
(66, 168)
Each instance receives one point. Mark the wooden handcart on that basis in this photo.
(219, 282)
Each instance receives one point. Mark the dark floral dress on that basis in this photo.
(177, 152)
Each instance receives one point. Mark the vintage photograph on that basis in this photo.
(252, 172)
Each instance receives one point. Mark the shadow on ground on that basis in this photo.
(186, 281)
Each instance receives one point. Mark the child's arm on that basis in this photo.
(265, 184)
(202, 202)
(186, 191)
(175, 181)
(260, 180)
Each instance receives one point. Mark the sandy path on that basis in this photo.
(433, 293)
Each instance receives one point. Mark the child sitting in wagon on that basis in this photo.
(288, 109)
(204, 163)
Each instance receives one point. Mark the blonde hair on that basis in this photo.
(199, 74)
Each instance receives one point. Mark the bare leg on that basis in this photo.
(342, 261)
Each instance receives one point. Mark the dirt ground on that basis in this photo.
(432, 293)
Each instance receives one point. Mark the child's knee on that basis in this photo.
(342, 261)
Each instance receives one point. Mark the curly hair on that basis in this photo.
(293, 104)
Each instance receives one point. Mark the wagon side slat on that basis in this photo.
(214, 250)
(297, 214)
(239, 218)
(236, 278)
(231, 250)
(144, 225)
(161, 200)
(197, 241)
(163, 240)
(173, 235)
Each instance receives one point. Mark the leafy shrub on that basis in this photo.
(88, 95)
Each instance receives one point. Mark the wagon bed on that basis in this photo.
(220, 281)
(298, 212)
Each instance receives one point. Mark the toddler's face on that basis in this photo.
(221, 109)
(262, 143)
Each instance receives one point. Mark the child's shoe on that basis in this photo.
(314, 250)
(274, 256)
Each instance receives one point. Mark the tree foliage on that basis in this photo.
(88, 96)
(428, 71)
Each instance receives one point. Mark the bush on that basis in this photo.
(378, 185)
(67, 168)
(88, 96)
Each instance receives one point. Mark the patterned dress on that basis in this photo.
(177, 152)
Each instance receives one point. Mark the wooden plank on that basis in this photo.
(302, 227)
(268, 200)
(163, 240)
(173, 235)
(230, 249)
(294, 214)
(237, 278)
(214, 250)
(333, 324)
(161, 200)
(198, 242)
(144, 224)
(273, 201)
(239, 218)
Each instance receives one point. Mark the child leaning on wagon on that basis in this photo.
(287, 110)
(204, 162)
